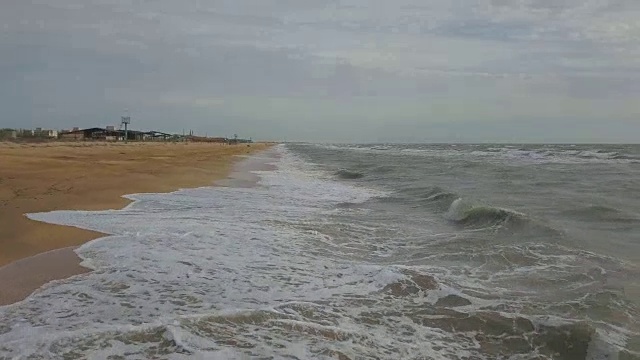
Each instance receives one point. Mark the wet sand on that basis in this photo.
(20, 278)
(85, 176)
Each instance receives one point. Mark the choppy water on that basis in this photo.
(361, 252)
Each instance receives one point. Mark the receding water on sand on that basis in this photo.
(317, 252)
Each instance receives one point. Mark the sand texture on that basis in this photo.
(22, 277)
(88, 176)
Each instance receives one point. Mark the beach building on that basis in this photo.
(25, 133)
(155, 136)
(52, 134)
(133, 135)
(111, 134)
(91, 134)
(8, 134)
(194, 138)
(219, 140)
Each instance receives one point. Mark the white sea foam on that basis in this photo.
(196, 251)
(500, 154)
(240, 272)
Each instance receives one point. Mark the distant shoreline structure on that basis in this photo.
(109, 133)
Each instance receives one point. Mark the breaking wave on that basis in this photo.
(353, 174)
(482, 216)
(306, 267)
(625, 157)
(531, 154)
(430, 194)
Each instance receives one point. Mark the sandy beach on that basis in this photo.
(85, 176)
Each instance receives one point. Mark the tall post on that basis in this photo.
(126, 120)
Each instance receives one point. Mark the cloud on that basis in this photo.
(306, 67)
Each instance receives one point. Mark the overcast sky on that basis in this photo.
(327, 70)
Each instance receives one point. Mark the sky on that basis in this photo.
(327, 70)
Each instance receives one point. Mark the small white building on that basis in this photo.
(52, 133)
(40, 132)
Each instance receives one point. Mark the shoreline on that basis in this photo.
(23, 277)
(35, 253)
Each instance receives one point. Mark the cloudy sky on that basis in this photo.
(327, 70)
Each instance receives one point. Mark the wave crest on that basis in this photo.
(483, 216)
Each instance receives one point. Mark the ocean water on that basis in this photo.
(359, 252)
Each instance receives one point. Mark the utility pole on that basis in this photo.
(126, 120)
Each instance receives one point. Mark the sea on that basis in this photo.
(325, 251)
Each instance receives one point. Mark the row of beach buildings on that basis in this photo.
(108, 133)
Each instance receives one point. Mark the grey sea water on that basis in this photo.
(360, 252)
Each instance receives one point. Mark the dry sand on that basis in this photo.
(85, 176)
